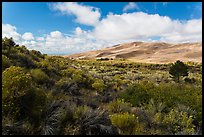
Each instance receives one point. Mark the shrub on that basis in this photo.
(178, 69)
(32, 104)
(67, 85)
(68, 72)
(39, 76)
(190, 80)
(98, 85)
(179, 122)
(81, 112)
(36, 55)
(78, 77)
(119, 106)
(8, 43)
(19, 97)
(52, 118)
(97, 122)
(71, 129)
(136, 94)
(16, 83)
(5, 62)
(125, 122)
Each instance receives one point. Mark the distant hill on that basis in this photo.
(149, 52)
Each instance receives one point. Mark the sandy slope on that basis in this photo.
(153, 52)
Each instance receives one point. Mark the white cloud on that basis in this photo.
(70, 44)
(131, 6)
(178, 38)
(193, 27)
(56, 34)
(28, 36)
(78, 31)
(33, 42)
(10, 31)
(140, 25)
(40, 38)
(189, 31)
(86, 15)
(111, 30)
(132, 25)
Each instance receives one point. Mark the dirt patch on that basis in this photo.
(130, 54)
(193, 55)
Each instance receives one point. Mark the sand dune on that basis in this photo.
(150, 52)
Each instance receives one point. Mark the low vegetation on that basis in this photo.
(52, 95)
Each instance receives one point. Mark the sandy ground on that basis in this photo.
(153, 52)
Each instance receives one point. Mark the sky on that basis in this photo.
(71, 27)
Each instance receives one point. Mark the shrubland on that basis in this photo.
(52, 95)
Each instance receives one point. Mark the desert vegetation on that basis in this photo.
(53, 95)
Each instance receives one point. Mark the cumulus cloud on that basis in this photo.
(193, 26)
(63, 44)
(55, 42)
(86, 15)
(140, 25)
(28, 36)
(189, 31)
(10, 31)
(132, 25)
(131, 6)
(56, 34)
(40, 38)
(78, 31)
(111, 30)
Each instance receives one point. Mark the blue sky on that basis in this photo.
(84, 26)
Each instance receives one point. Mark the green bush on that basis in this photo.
(179, 122)
(33, 103)
(39, 76)
(63, 84)
(67, 85)
(5, 62)
(125, 122)
(98, 85)
(141, 97)
(190, 80)
(78, 77)
(178, 69)
(136, 94)
(16, 83)
(19, 96)
(119, 106)
(68, 72)
(81, 112)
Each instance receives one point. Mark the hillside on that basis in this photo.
(152, 52)
(52, 95)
